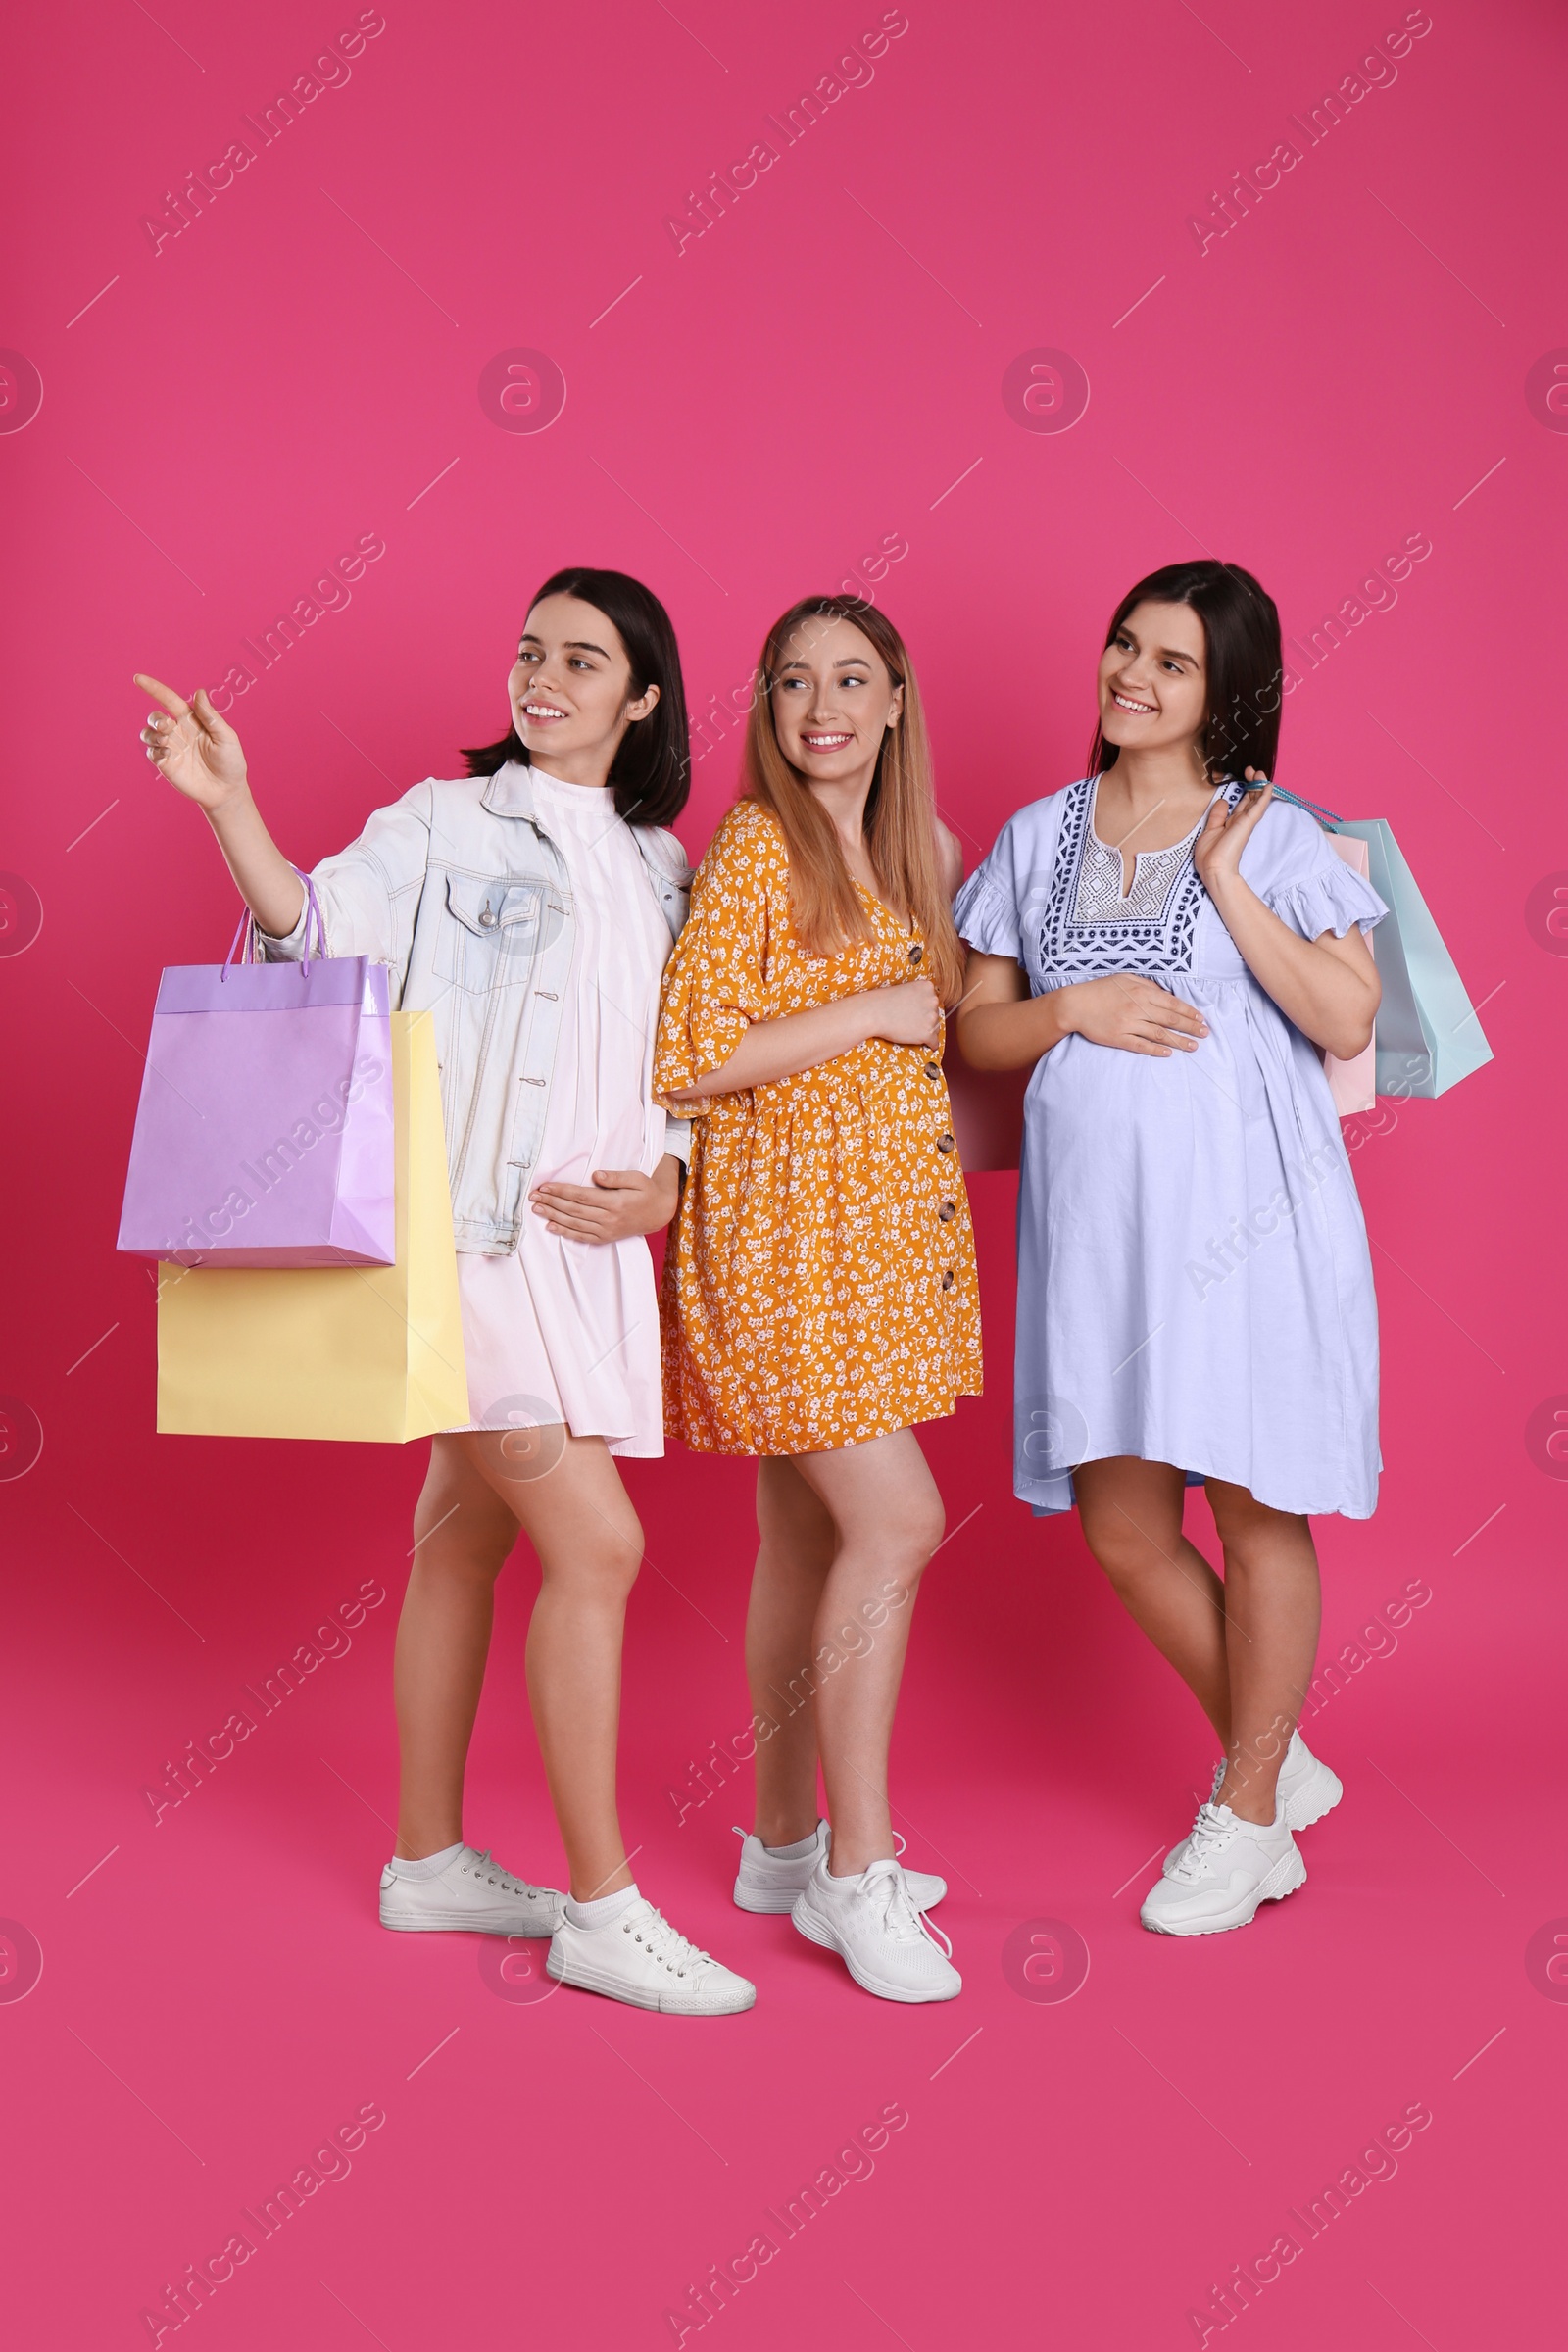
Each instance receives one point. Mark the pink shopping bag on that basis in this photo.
(264, 1134)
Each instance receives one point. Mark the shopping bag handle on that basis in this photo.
(1326, 818)
(248, 933)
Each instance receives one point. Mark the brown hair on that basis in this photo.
(899, 822)
(1241, 626)
(652, 771)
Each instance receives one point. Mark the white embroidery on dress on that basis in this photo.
(1084, 928)
(1155, 873)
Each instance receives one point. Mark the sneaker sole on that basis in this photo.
(1319, 1793)
(464, 1922)
(816, 1930)
(1287, 1875)
(609, 1988)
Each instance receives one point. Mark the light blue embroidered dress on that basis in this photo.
(1193, 1280)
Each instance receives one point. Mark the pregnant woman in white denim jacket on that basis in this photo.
(531, 908)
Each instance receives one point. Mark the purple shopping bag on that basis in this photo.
(263, 1132)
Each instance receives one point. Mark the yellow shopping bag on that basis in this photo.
(368, 1352)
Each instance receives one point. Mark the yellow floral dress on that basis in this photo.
(819, 1280)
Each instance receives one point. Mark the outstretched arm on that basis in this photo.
(199, 752)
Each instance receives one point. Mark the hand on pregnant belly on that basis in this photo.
(1137, 1015)
(618, 1204)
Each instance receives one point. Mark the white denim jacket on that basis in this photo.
(461, 892)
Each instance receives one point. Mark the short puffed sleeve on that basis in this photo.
(992, 908)
(716, 982)
(1291, 864)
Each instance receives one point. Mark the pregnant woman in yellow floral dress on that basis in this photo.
(819, 1285)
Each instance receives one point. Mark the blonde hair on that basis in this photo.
(899, 823)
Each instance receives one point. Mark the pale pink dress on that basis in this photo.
(566, 1330)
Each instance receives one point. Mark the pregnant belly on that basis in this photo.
(583, 1135)
(1175, 1147)
(1088, 1094)
(1142, 1145)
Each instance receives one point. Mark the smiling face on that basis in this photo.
(571, 686)
(1154, 679)
(833, 700)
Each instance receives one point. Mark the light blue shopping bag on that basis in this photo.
(1428, 1036)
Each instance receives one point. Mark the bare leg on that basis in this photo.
(590, 1545)
(1131, 1513)
(798, 1542)
(884, 1503)
(463, 1533)
(566, 1495)
(1273, 1607)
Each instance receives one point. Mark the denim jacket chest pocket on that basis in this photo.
(461, 891)
(497, 930)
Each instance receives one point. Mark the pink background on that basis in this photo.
(819, 373)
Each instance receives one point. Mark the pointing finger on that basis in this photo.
(159, 693)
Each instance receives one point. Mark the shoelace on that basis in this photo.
(884, 1885)
(480, 1868)
(1209, 1834)
(659, 1938)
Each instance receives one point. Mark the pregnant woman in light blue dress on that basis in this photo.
(1169, 945)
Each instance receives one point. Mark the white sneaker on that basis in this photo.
(1304, 1791)
(886, 1944)
(1229, 1866)
(640, 1959)
(473, 1892)
(770, 1883)
(1308, 1787)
